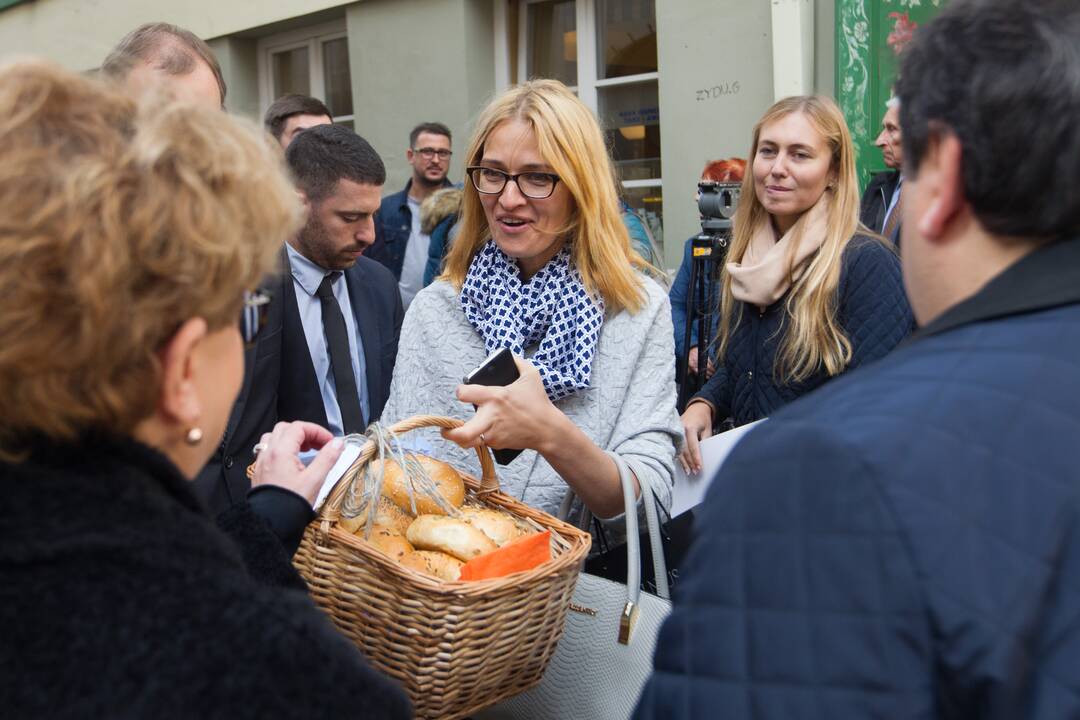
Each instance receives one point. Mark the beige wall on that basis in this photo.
(415, 61)
(240, 68)
(702, 45)
(78, 34)
(709, 44)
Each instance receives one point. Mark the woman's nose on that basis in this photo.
(511, 195)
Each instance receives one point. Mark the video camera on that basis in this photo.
(717, 202)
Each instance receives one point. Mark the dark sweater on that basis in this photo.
(120, 597)
(872, 311)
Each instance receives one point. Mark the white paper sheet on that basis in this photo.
(690, 490)
(348, 455)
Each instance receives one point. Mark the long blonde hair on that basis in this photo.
(571, 142)
(812, 337)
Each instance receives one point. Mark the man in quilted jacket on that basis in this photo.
(905, 542)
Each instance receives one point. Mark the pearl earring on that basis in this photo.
(194, 436)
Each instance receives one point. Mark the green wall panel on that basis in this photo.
(870, 34)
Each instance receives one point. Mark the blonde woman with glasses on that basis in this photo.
(807, 293)
(543, 266)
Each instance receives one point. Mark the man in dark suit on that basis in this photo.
(326, 350)
(880, 209)
(905, 541)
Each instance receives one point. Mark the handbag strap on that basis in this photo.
(633, 544)
(652, 522)
(656, 540)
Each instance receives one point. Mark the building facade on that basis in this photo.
(675, 83)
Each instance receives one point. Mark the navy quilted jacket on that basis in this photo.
(905, 542)
(872, 310)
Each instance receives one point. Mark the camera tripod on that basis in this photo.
(716, 202)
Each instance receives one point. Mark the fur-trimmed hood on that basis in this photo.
(438, 206)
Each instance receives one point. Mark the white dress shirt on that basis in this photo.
(307, 276)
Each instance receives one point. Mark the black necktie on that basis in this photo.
(337, 338)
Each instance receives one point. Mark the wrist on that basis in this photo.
(554, 432)
(701, 405)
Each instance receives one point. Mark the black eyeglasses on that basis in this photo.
(535, 185)
(428, 153)
(253, 317)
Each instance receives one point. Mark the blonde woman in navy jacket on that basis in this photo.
(807, 293)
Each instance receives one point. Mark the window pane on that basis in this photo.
(648, 202)
(626, 41)
(630, 115)
(291, 72)
(552, 41)
(336, 73)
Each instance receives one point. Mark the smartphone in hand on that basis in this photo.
(498, 369)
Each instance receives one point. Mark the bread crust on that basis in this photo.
(500, 526)
(449, 535)
(449, 480)
(433, 564)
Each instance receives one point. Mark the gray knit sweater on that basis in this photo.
(629, 408)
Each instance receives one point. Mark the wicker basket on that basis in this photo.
(455, 647)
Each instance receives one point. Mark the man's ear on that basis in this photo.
(306, 202)
(941, 174)
(179, 401)
(409, 155)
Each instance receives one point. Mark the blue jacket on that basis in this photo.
(872, 311)
(905, 542)
(393, 225)
(440, 244)
(679, 295)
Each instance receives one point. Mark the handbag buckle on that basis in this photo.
(627, 622)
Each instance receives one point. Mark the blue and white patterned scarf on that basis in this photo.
(553, 309)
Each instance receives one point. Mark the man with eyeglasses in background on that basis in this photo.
(400, 243)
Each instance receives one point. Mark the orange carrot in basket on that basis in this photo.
(518, 556)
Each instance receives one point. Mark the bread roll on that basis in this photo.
(448, 480)
(434, 564)
(501, 527)
(387, 514)
(449, 535)
(390, 541)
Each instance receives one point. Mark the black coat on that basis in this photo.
(872, 311)
(119, 597)
(279, 379)
(876, 198)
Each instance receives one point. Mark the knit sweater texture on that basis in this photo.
(629, 407)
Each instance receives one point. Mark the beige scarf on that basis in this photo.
(762, 276)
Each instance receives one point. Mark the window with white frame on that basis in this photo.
(311, 61)
(606, 51)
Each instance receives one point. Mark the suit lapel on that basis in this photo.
(362, 306)
(268, 337)
(299, 397)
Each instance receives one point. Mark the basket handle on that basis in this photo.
(331, 509)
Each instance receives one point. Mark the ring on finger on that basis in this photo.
(259, 447)
(482, 440)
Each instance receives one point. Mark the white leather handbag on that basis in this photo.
(605, 654)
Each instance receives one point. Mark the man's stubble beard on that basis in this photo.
(313, 243)
(423, 181)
